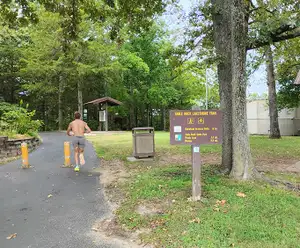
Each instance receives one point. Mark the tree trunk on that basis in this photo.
(164, 119)
(148, 116)
(136, 119)
(222, 37)
(230, 19)
(80, 101)
(44, 114)
(60, 103)
(273, 111)
(242, 166)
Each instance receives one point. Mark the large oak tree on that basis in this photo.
(236, 30)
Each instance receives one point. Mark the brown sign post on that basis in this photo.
(195, 128)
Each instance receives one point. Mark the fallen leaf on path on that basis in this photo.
(196, 220)
(49, 196)
(90, 175)
(12, 236)
(240, 194)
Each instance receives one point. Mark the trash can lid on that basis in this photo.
(143, 128)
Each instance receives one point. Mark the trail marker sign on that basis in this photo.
(195, 128)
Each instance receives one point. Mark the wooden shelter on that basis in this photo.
(297, 81)
(103, 104)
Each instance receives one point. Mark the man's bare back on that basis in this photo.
(78, 128)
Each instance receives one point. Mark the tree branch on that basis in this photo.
(282, 29)
(276, 37)
(252, 22)
(258, 8)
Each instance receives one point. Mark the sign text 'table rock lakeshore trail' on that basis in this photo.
(191, 127)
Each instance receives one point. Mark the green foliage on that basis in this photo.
(93, 124)
(273, 19)
(10, 56)
(269, 22)
(17, 119)
(69, 50)
(6, 107)
(289, 94)
(287, 67)
(256, 96)
(10, 12)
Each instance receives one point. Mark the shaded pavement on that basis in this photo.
(65, 219)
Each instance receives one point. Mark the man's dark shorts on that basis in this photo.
(79, 141)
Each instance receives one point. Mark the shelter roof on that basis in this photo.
(110, 101)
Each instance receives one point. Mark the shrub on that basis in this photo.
(93, 124)
(17, 119)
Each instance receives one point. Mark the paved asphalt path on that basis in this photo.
(64, 220)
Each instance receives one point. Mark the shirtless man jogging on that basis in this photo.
(78, 127)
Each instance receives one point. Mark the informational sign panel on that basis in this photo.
(195, 127)
(102, 116)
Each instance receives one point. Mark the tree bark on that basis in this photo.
(222, 37)
(148, 116)
(136, 119)
(273, 111)
(44, 114)
(230, 20)
(164, 119)
(60, 103)
(151, 116)
(242, 167)
(80, 100)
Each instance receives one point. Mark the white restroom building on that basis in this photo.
(259, 120)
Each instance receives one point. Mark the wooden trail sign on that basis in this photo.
(195, 128)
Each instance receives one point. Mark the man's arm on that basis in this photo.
(87, 128)
(69, 130)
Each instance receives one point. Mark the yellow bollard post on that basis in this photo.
(24, 150)
(67, 153)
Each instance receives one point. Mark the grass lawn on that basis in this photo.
(231, 213)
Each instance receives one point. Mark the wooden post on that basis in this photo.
(106, 117)
(98, 109)
(196, 183)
